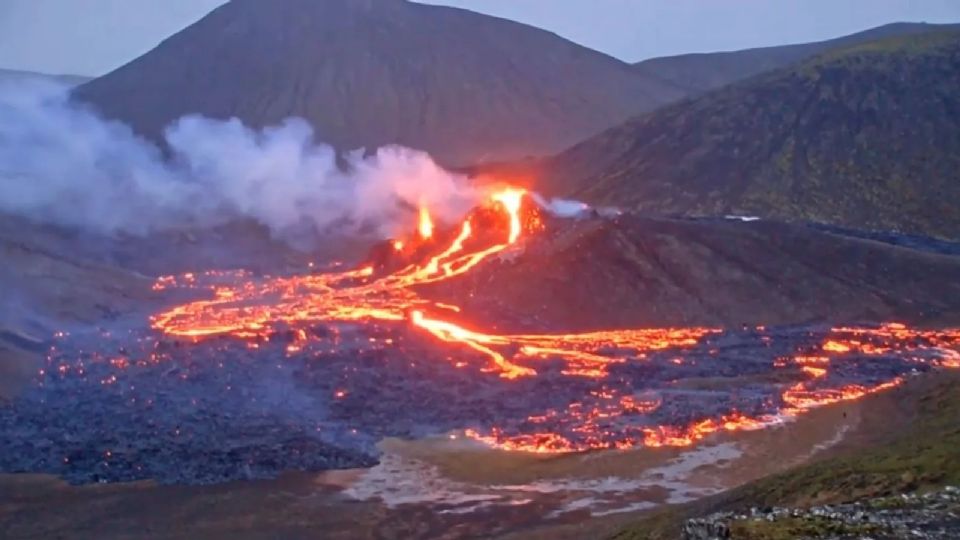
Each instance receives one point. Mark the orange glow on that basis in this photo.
(511, 199)
(835, 346)
(254, 309)
(425, 226)
(450, 332)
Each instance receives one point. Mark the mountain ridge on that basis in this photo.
(865, 137)
(17, 74)
(697, 73)
(465, 87)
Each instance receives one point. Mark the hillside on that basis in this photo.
(701, 72)
(906, 443)
(634, 271)
(867, 136)
(464, 86)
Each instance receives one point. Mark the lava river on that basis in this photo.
(819, 365)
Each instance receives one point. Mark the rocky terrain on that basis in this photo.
(865, 136)
(465, 87)
(930, 516)
(635, 271)
(908, 448)
(300, 505)
(777, 292)
(197, 392)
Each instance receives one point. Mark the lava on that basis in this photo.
(426, 224)
(254, 309)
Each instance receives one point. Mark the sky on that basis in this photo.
(92, 37)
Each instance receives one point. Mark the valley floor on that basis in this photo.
(448, 489)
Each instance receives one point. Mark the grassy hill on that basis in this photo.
(916, 450)
(866, 136)
(701, 72)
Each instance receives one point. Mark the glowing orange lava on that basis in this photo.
(253, 309)
(426, 224)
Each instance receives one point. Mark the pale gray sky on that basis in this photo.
(91, 37)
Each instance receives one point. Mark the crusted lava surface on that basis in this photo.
(635, 271)
(307, 371)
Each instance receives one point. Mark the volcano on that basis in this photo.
(465, 87)
(328, 362)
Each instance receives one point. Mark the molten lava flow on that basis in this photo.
(254, 309)
(426, 224)
(511, 199)
(452, 333)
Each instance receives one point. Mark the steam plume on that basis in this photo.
(61, 163)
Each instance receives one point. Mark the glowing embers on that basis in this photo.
(566, 392)
(848, 344)
(452, 333)
(587, 424)
(425, 224)
(842, 364)
(253, 308)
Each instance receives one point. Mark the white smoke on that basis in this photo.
(568, 208)
(561, 207)
(61, 163)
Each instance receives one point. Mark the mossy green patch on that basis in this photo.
(923, 456)
(792, 528)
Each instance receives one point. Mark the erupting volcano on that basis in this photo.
(311, 369)
(615, 410)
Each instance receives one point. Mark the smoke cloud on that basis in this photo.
(61, 163)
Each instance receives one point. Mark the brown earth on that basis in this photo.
(634, 272)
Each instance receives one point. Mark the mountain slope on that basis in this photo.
(464, 86)
(634, 271)
(867, 137)
(702, 72)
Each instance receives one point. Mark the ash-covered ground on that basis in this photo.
(113, 406)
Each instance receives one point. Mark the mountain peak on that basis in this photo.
(464, 86)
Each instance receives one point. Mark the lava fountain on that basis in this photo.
(253, 309)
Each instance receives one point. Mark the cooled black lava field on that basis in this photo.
(126, 405)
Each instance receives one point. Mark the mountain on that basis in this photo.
(866, 136)
(464, 86)
(634, 271)
(7, 75)
(699, 73)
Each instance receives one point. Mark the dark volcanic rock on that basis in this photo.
(124, 406)
(932, 516)
(652, 272)
(465, 87)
